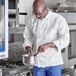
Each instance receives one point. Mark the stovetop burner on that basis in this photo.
(9, 64)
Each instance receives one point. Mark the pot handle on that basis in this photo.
(23, 59)
(35, 54)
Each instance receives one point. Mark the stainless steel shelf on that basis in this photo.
(72, 27)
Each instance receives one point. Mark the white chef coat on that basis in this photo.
(52, 28)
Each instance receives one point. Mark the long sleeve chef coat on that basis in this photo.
(52, 28)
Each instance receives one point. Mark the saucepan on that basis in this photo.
(28, 59)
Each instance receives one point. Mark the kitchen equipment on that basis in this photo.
(16, 71)
(68, 72)
(55, 6)
(15, 52)
(8, 68)
(28, 59)
(0, 71)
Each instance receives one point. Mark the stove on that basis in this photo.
(15, 69)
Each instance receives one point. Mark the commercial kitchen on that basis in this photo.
(19, 11)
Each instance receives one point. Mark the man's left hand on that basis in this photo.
(43, 47)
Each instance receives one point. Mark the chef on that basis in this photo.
(46, 32)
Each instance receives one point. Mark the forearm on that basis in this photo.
(45, 46)
(51, 45)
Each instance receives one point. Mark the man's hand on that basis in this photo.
(29, 49)
(43, 47)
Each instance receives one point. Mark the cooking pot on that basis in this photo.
(28, 59)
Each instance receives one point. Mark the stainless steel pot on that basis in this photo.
(28, 59)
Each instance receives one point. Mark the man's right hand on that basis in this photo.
(29, 49)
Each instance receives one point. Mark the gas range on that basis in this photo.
(15, 69)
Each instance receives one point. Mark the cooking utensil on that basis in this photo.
(28, 59)
(35, 54)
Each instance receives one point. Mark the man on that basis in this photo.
(47, 33)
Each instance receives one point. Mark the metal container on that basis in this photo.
(29, 59)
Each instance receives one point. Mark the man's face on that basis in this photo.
(39, 12)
